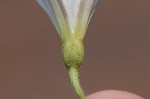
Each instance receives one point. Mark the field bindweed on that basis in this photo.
(71, 19)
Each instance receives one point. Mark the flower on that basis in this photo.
(70, 17)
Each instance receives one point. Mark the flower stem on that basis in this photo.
(73, 73)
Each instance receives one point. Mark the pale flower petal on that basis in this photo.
(46, 6)
(69, 16)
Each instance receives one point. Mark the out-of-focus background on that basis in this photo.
(117, 51)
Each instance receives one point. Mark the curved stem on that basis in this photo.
(73, 73)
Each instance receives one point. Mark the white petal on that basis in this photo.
(72, 8)
(59, 13)
(69, 16)
(86, 11)
(46, 6)
(95, 3)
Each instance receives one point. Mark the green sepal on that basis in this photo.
(73, 53)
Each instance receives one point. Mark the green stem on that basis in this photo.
(73, 73)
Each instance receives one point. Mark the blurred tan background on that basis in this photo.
(117, 51)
